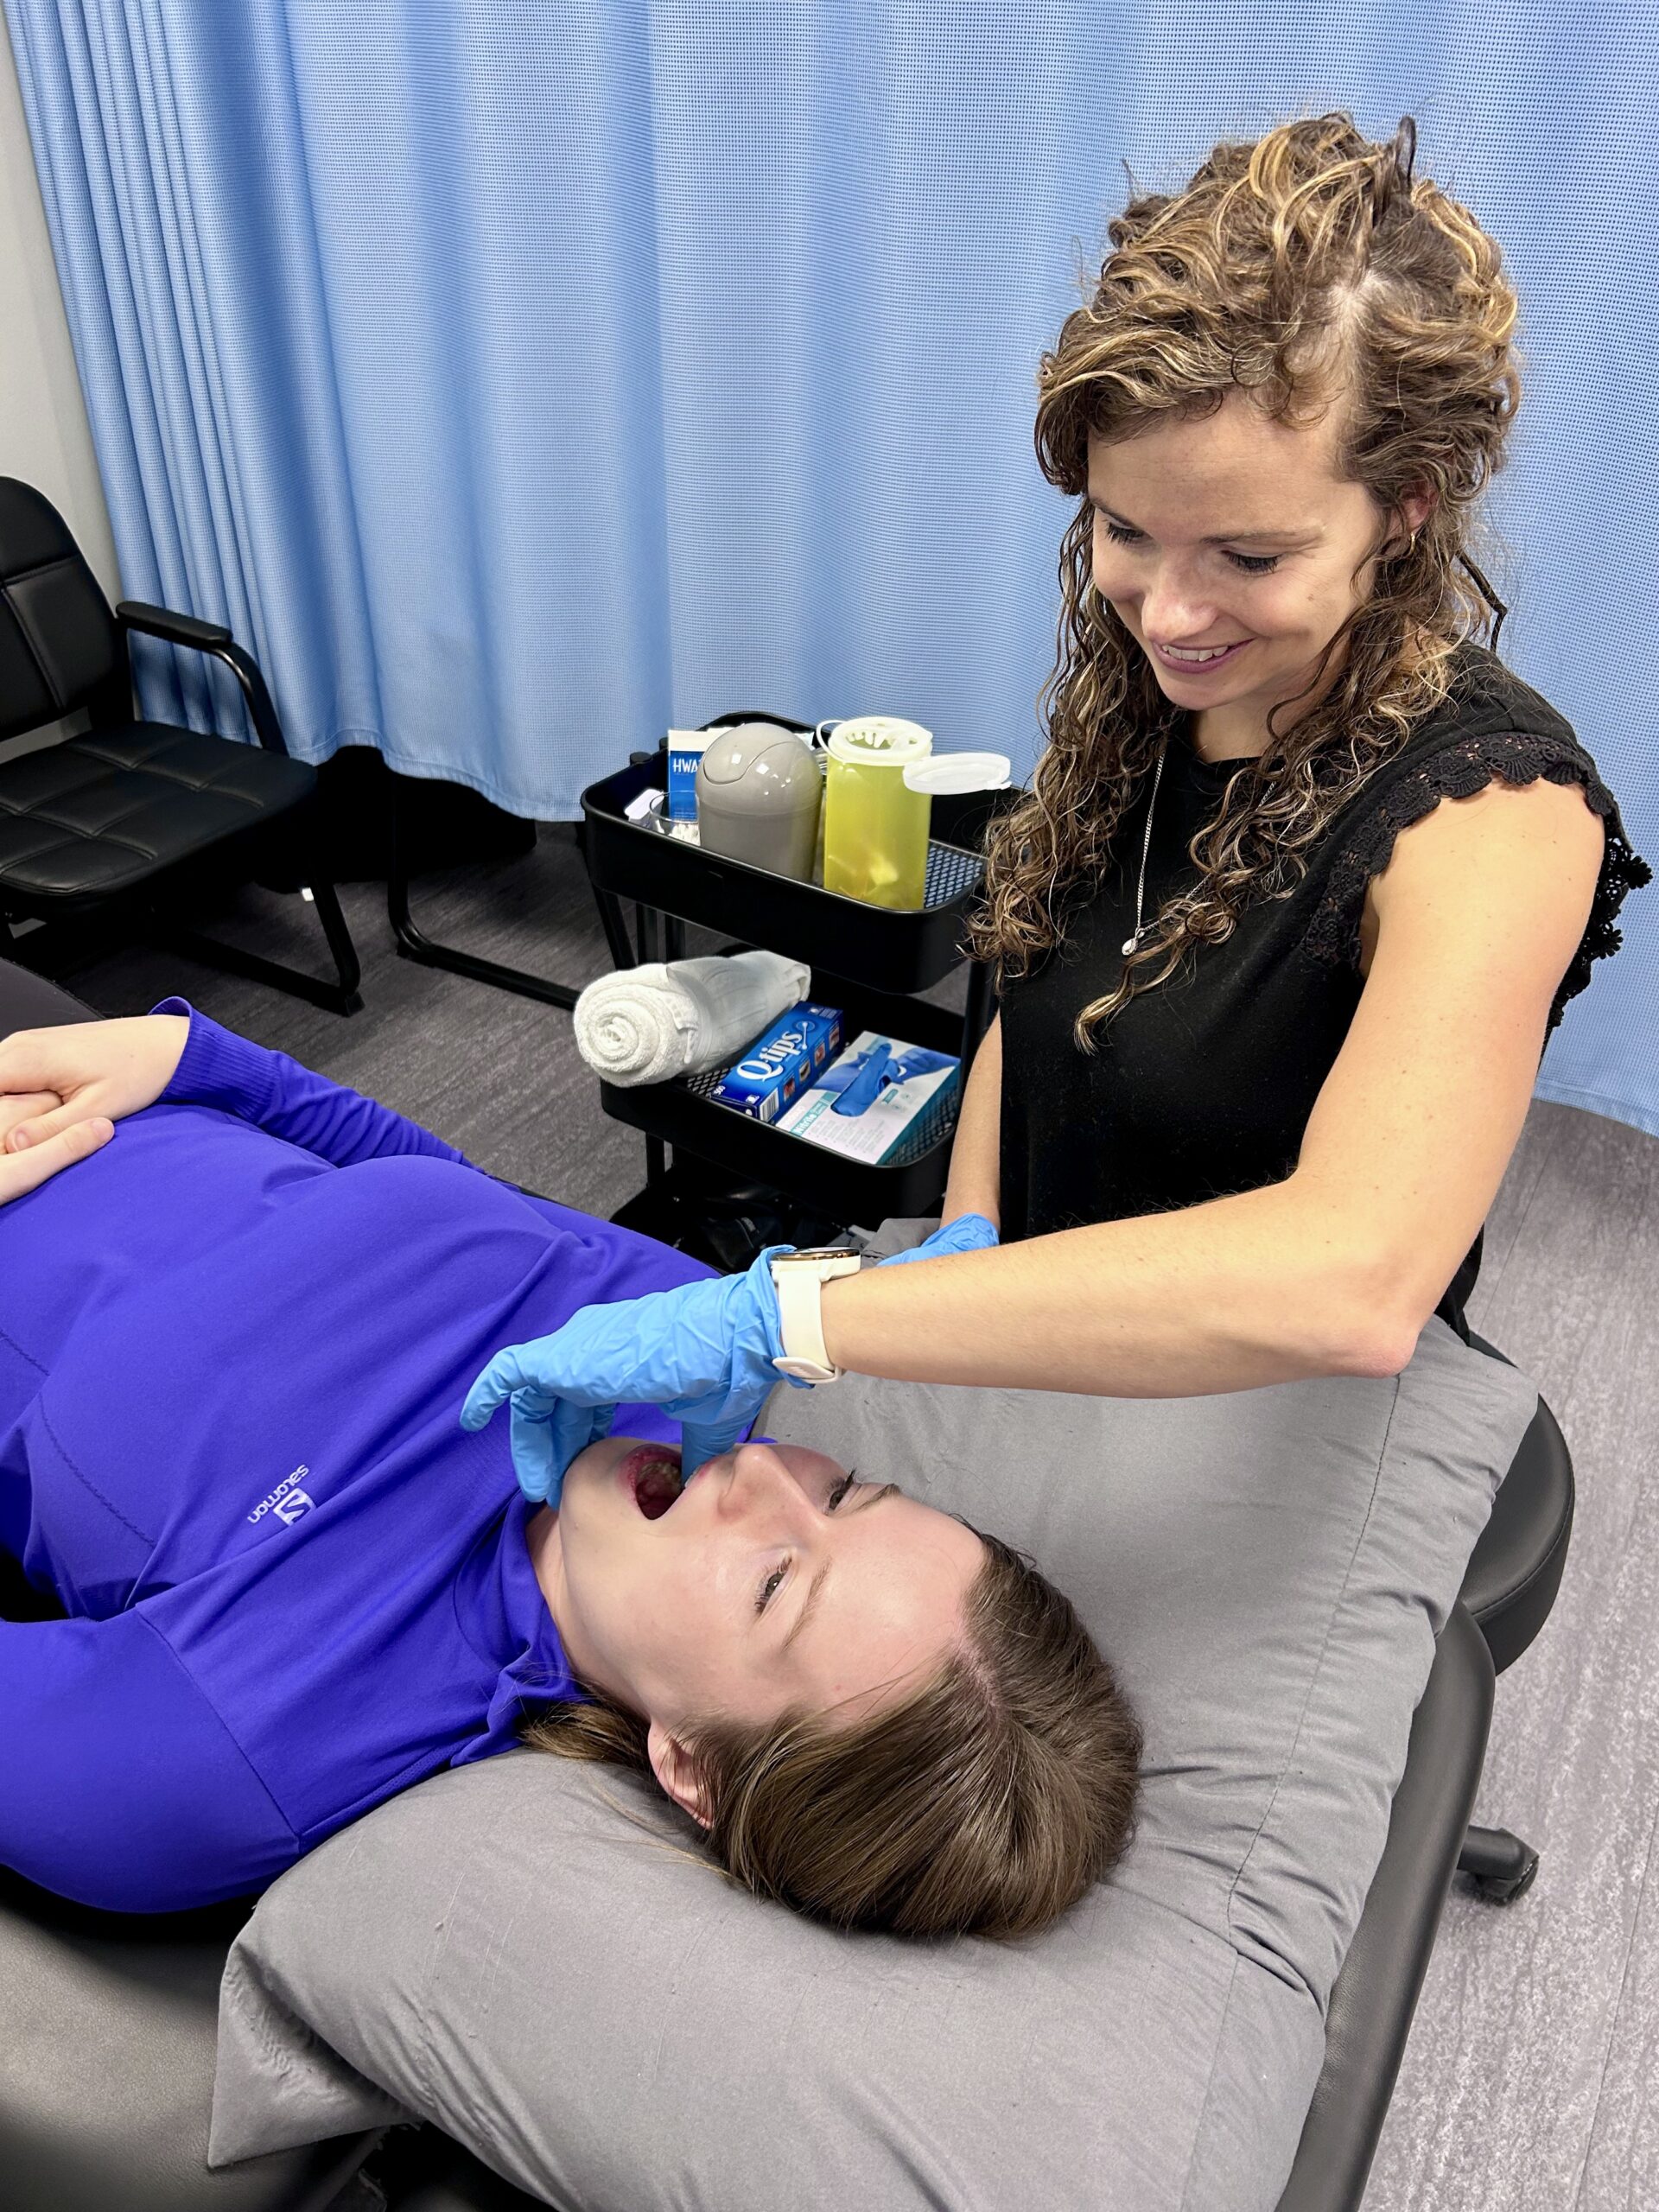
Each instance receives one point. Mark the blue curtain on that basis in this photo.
(519, 379)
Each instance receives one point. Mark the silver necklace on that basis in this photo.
(1129, 942)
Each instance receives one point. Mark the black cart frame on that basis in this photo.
(870, 961)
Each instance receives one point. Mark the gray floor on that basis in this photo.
(1529, 2084)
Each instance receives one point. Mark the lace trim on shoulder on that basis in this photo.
(1463, 767)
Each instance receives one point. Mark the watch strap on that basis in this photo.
(798, 1279)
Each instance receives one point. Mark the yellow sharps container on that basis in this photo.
(875, 827)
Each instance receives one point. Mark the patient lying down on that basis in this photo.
(927, 1741)
(235, 1339)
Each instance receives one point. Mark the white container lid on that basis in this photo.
(879, 741)
(954, 772)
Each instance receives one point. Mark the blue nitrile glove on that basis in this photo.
(702, 1352)
(862, 1082)
(968, 1232)
(861, 1094)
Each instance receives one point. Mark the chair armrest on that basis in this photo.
(214, 639)
(177, 629)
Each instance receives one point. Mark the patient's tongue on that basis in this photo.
(656, 1487)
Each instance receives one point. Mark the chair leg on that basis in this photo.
(413, 943)
(341, 997)
(347, 966)
(1502, 1866)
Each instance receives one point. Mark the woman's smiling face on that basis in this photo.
(704, 1608)
(1234, 530)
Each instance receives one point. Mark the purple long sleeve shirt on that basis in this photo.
(234, 1344)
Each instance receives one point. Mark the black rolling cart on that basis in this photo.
(868, 960)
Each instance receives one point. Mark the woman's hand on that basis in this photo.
(41, 1161)
(98, 1070)
(968, 1232)
(702, 1352)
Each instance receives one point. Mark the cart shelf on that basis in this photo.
(895, 951)
(868, 960)
(683, 1112)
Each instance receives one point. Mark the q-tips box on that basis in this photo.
(879, 1095)
(782, 1061)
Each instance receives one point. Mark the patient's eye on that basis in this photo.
(773, 1582)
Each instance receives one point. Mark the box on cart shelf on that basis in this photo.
(879, 1097)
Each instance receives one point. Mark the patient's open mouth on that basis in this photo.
(652, 1472)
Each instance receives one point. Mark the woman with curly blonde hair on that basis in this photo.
(1303, 882)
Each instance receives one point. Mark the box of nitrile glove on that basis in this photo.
(782, 1061)
(879, 1095)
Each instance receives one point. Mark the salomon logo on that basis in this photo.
(288, 1502)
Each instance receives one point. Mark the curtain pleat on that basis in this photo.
(520, 380)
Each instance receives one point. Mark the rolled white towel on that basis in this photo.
(683, 1017)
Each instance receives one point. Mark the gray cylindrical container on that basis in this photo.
(759, 791)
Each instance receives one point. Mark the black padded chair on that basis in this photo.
(118, 817)
(107, 2021)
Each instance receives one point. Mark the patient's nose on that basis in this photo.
(760, 1478)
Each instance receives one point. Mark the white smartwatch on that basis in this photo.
(798, 1279)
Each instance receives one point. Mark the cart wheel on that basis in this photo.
(1497, 1889)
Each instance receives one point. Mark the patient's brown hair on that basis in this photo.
(986, 1803)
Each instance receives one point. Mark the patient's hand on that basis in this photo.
(22, 1171)
(98, 1070)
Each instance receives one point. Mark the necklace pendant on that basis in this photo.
(1129, 942)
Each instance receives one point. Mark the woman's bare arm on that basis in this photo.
(1243, 1290)
(1335, 1269)
(975, 1175)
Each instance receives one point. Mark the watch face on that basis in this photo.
(816, 1252)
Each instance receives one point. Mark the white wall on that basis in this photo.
(44, 438)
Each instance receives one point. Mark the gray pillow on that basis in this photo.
(499, 1952)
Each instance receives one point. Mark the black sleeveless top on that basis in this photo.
(1203, 1087)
